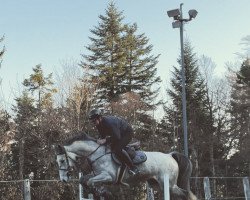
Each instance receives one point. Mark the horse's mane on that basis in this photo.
(80, 135)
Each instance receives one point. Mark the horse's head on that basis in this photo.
(76, 147)
(66, 163)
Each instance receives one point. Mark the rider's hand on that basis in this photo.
(101, 141)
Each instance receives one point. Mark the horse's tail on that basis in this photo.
(185, 170)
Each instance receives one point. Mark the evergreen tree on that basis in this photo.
(140, 79)
(140, 68)
(199, 113)
(26, 115)
(120, 61)
(6, 136)
(239, 136)
(107, 56)
(42, 85)
(38, 125)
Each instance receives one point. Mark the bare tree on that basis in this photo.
(66, 79)
(218, 100)
(76, 92)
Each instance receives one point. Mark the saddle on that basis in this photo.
(133, 150)
(137, 157)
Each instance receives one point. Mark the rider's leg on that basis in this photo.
(122, 155)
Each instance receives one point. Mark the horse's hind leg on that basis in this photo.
(177, 193)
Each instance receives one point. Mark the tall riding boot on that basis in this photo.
(124, 157)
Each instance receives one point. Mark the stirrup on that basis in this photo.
(122, 183)
(134, 171)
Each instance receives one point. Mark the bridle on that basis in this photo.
(67, 157)
(89, 161)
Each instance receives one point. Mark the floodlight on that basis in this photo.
(176, 24)
(173, 13)
(192, 13)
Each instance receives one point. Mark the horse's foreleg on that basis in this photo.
(100, 178)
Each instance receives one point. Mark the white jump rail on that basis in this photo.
(166, 187)
(81, 192)
(26, 189)
(150, 192)
(207, 188)
(246, 188)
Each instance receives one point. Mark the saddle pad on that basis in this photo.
(139, 158)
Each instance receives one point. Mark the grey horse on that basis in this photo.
(104, 169)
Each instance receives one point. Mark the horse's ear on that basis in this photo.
(59, 149)
(84, 134)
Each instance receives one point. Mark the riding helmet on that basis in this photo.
(95, 113)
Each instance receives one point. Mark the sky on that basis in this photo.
(50, 32)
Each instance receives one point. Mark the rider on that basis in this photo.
(116, 132)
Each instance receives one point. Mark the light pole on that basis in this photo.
(179, 23)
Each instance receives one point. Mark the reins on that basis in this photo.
(94, 151)
(89, 161)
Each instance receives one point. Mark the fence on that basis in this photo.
(222, 189)
(207, 188)
(218, 188)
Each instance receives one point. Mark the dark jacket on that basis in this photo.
(114, 129)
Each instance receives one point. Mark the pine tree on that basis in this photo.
(38, 126)
(120, 61)
(140, 68)
(5, 139)
(199, 114)
(32, 121)
(107, 57)
(121, 65)
(239, 137)
(43, 126)
(42, 85)
(26, 115)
